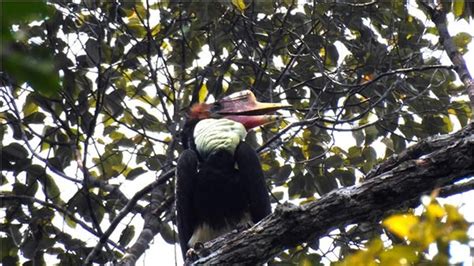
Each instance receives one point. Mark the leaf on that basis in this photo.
(458, 7)
(14, 152)
(32, 70)
(371, 134)
(35, 118)
(282, 175)
(136, 27)
(127, 235)
(401, 224)
(334, 161)
(135, 172)
(454, 216)
(18, 11)
(71, 223)
(358, 136)
(30, 106)
(309, 260)
(435, 211)
(167, 233)
(346, 177)
(364, 257)
(461, 40)
(7, 247)
(156, 29)
(240, 5)
(203, 93)
(394, 256)
(3, 180)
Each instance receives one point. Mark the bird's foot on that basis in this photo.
(241, 227)
(193, 253)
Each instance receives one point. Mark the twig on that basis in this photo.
(60, 209)
(125, 210)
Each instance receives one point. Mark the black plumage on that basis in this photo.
(218, 194)
(224, 188)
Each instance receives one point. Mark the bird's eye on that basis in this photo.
(216, 107)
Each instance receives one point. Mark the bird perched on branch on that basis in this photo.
(219, 180)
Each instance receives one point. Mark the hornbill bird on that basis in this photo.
(219, 180)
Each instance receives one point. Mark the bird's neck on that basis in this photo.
(214, 135)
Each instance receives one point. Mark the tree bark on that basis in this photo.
(431, 164)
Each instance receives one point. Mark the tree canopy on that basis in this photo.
(93, 97)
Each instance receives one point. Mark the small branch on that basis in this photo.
(457, 188)
(19, 198)
(125, 210)
(367, 4)
(422, 148)
(150, 229)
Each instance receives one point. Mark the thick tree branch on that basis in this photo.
(390, 189)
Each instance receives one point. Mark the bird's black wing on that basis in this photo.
(254, 181)
(186, 172)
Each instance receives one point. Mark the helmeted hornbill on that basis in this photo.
(219, 180)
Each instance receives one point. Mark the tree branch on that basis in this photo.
(438, 16)
(22, 198)
(125, 210)
(456, 188)
(395, 187)
(150, 229)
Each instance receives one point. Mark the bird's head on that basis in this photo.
(241, 107)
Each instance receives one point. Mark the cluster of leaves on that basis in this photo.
(93, 93)
(437, 225)
(30, 64)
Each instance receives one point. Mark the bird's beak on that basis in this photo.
(244, 108)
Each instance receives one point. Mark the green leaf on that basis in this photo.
(13, 11)
(310, 260)
(240, 5)
(135, 172)
(127, 235)
(458, 8)
(358, 136)
(35, 118)
(7, 248)
(324, 184)
(401, 224)
(334, 161)
(203, 93)
(14, 152)
(33, 70)
(167, 233)
(30, 106)
(371, 134)
(461, 40)
(3, 180)
(346, 177)
(394, 255)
